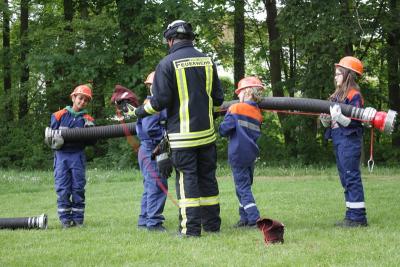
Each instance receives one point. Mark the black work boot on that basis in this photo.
(347, 223)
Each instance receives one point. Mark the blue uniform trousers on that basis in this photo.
(69, 182)
(153, 198)
(243, 177)
(348, 154)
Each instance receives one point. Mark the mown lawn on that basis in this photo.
(307, 200)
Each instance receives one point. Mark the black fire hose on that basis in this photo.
(92, 133)
(382, 121)
(39, 222)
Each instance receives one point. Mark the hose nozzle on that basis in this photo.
(385, 122)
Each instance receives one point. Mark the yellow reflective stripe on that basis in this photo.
(209, 201)
(209, 80)
(192, 143)
(149, 109)
(192, 62)
(192, 135)
(183, 100)
(182, 209)
(189, 202)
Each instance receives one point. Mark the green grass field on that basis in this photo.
(307, 200)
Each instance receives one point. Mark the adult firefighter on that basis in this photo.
(187, 84)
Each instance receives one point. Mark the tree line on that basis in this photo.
(51, 46)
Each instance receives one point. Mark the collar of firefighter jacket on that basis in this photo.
(74, 113)
(251, 102)
(185, 43)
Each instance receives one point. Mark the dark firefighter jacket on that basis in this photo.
(186, 83)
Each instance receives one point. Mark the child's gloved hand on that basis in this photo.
(336, 115)
(325, 119)
(57, 141)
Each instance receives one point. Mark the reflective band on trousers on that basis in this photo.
(189, 202)
(249, 125)
(249, 206)
(79, 210)
(355, 205)
(209, 201)
(182, 208)
(64, 210)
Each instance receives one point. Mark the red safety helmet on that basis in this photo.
(83, 89)
(249, 82)
(150, 78)
(351, 63)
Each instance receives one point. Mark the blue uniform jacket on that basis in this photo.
(242, 125)
(68, 118)
(353, 98)
(150, 130)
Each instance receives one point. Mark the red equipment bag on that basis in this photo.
(272, 230)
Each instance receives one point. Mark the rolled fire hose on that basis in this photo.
(383, 121)
(39, 222)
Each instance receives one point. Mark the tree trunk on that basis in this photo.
(292, 66)
(8, 110)
(275, 48)
(345, 10)
(83, 9)
(24, 86)
(393, 59)
(239, 43)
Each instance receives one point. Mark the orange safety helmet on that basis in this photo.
(150, 78)
(351, 63)
(83, 89)
(249, 82)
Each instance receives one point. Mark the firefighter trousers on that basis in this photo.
(348, 155)
(197, 189)
(153, 197)
(69, 183)
(243, 177)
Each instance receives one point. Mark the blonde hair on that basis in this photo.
(254, 92)
(348, 83)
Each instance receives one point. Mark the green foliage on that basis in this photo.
(120, 42)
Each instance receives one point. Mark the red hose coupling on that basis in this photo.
(384, 122)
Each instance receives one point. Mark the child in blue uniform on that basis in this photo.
(150, 130)
(70, 160)
(242, 125)
(346, 135)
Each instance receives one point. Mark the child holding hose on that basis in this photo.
(70, 160)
